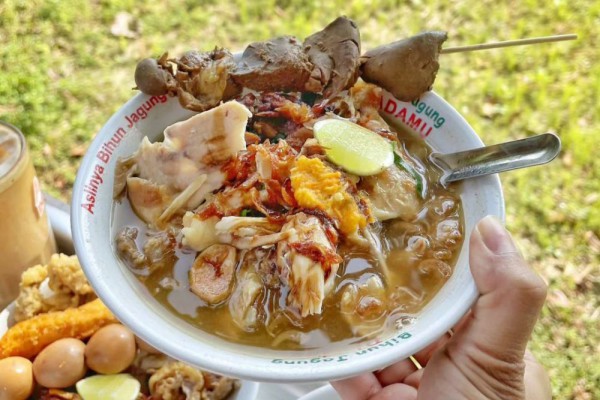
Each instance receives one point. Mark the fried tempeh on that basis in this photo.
(29, 337)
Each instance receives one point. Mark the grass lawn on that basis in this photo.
(63, 73)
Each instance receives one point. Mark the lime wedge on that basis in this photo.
(109, 387)
(352, 147)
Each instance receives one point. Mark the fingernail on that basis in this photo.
(495, 236)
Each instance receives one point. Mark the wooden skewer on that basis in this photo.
(508, 43)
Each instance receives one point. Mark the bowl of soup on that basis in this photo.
(234, 240)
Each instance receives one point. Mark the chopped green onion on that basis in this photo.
(278, 137)
(249, 212)
(309, 98)
(401, 163)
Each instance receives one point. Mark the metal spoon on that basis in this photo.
(534, 150)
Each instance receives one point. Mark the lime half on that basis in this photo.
(109, 387)
(352, 147)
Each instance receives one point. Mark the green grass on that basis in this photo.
(62, 74)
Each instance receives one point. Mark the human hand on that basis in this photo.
(486, 357)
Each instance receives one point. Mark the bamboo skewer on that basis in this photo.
(508, 43)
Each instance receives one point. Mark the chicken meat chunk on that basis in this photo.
(192, 148)
(308, 261)
(242, 304)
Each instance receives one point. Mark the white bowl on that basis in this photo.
(92, 213)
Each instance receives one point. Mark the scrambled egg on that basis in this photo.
(318, 186)
(54, 287)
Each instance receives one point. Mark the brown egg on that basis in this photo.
(145, 346)
(16, 378)
(61, 364)
(111, 349)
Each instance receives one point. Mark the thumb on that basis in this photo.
(511, 294)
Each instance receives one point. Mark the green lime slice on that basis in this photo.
(109, 387)
(354, 148)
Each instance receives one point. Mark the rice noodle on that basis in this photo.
(376, 250)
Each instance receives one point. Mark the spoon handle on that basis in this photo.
(502, 157)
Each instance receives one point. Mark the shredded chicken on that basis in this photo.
(249, 232)
(199, 233)
(308, 258)
(242, 305)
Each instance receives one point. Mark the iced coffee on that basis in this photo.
(25, 235)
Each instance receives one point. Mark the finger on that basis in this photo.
(512, 294)
(396, 372)
(462, 322)
(396, 391)
(359, 387)
(537, 382)
(414, 379)
(424, 355)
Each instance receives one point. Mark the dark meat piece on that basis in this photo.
(200, 79)
(273, 116)
(265, 129)
(159, 250)
(327, 62)
(335, 53)
(276, 65)
(406, 68)
(299, 136)
(204, 79)
(266, 104)
(151, 78)
(128, 250)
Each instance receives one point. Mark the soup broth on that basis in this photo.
(386, 272)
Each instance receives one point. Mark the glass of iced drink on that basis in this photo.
(25, 235)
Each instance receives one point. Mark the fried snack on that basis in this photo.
(56, 286)
(29, 337)
(30, 301)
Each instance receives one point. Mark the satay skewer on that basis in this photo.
(509, 43)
